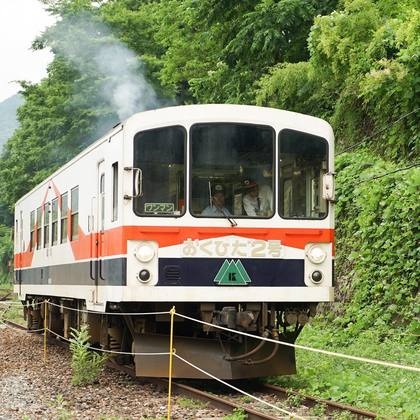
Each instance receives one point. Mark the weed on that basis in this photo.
(238, 414)
(189, 403)
(294, 400)
(86, 364)
(60, 405)
(12, 313)
(319, 410)
(343, 415)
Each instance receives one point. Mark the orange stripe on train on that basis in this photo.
(114, 241)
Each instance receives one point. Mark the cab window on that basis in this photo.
(232, 170)
(302, 164)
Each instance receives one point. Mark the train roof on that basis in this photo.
(229, 112)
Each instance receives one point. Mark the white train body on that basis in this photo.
(122, 221)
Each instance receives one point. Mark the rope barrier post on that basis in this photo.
(171, 352)
(45, 330)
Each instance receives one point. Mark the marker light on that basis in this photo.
(316, 254)
(144, 253)
(144, 276)
(316, 276)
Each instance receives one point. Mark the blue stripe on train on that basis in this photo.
(203, 271)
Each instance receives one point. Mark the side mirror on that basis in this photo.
(328, 189)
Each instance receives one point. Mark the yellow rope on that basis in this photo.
(45, 330)
(171, 352)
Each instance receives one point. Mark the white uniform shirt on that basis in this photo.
(213, 211)
(257, 206)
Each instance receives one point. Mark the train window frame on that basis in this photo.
(279, 176)
(185, 172)
(39, 228)
(54, 221)
(46, 224)
(273, 169)
(64, 208)
(74, 213)
(115, 201)
(32, 230)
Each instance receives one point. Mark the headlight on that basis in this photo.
(316, 254)
(144, 253)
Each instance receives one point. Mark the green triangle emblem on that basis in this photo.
(232, 273)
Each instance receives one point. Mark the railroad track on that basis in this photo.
(4, 297)
(217, 397)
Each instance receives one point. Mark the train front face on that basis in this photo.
(233, 225)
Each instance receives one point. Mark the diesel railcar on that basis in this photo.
(156, 214)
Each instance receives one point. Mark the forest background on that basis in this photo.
(354, 63)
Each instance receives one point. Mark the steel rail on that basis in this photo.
(213, 400)
(312, 401)
(14, 325)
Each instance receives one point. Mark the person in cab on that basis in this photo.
(253, 203)
(217, 206)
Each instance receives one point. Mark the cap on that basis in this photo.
(217, 188)
(249, 183)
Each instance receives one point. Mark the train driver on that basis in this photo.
(217, 206)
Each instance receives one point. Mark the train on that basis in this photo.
(222, 212)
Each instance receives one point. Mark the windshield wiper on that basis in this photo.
(232, 222)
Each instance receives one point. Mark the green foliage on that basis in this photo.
(295, 400)
(57, 120)
(189, 403)
(362, 75)
(238, 414)
(6, 253)
(196, 49)
(389, 391)
(86, 364)
(377, 239)
(319, 410)
(61, 405)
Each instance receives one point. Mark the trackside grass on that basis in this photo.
(388, 391)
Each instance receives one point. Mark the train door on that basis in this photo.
(101, 223)
(97, 231)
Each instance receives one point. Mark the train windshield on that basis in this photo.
(303, 162)
(232, 170)
(160, 155)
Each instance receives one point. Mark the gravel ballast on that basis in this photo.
(32, 389)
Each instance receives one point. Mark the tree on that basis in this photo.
(361, 75)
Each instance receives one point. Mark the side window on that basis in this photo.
(303, 161)
(46, 224)
(38, 227)
(114, 191)
(64, 211)
(54, 219)
(74, 213)
(160, 156)
(32, 230)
